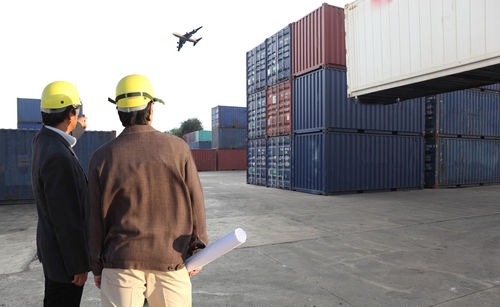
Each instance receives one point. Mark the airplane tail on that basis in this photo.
(199, 39)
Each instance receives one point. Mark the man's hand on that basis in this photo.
(80, 279)
(83, 121)
(194, 272)
(97, 281)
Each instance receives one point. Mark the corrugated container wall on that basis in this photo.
(205, 159)
(279, 109)
(229, 117)
(279, 162)
(463, 113)
(15, 166)
(256, 69)
(333, 162)
(229, 138)
(88, 143)
(493, 87)
(256, 112)
(415, 48)
(201, 145)
(231, 159)
(256, 162)
(318, 40)
(460, 161)
(28, 113)
(279, 53)
(320, 102)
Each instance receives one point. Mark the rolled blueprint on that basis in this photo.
(225, 244)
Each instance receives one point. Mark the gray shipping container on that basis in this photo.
(15, 160)
(229, 138)
(328, 163)
(256, 162)
(461, 161)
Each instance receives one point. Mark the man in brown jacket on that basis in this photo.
(147, 211)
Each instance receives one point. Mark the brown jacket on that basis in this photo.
(146, 203)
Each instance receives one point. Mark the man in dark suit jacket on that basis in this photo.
(60, 190)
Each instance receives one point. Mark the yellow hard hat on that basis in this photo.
(58, 95)
(133, 93)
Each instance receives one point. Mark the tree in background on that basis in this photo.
(190, 125)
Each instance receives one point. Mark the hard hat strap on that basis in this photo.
(135, 94)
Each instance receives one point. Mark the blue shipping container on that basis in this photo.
(320, 102)
(492, 87)
(200, 145)
(325, 163)
(35, 126)
(229, 138)
(256, 112)
(28, 111)
(229, 117)
(15, 166)
(279, 54)
(463, 113)
(88, 143)
(256, 162)
(256, 69)
(459, 161)
(279, 162)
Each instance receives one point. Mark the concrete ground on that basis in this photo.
(407, 248)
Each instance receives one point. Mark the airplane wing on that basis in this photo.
(180, 44)
(188, 35)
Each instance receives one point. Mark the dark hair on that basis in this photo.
(53, 119)
(136, 117)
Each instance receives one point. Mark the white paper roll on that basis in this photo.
(213, 251)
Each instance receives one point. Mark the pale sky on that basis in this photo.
(93, 44)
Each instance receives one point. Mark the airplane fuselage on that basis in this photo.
(189, 39)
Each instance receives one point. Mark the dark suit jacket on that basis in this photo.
(60, 190)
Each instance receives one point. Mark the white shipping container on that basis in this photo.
(411, 48)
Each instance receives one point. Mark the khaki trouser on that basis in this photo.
(128, 287)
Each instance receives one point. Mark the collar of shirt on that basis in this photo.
(70, 139)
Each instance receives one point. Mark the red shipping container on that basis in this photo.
(318, 39)
(231, 159)
(205, 159)
(279, 109)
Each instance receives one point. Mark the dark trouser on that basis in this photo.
(61, 294)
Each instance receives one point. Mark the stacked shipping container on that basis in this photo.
(318, 141)
(462, 142)
(199, 139)
(28, 113)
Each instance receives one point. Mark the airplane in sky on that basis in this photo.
(187, 37)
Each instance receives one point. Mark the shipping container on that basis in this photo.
(28, 113)
(256, 69)
(279, 162)
(320, 102)
(231, 159)
(88, 143)
(201, 145)
(327, 163)
(415, 48)
(460, 161)
(33, 126)
(318, 40)
(205, 159)
(198, 136)
(256, 112)
(279, 109)
(492, 87)
(229, 138)
(463, 113)
(279, 53)
(15, 166)
(256, 162)
(229, 117)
